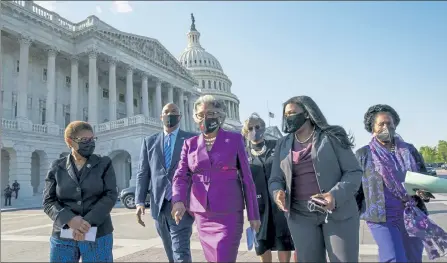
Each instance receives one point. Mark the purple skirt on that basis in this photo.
(220, 234)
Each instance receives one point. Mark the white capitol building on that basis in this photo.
(54, 71)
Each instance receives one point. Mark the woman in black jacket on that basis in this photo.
(274, 234)
(80, 192)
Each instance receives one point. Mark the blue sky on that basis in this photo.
(346, 55)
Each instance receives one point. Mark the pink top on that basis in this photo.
(304, 181)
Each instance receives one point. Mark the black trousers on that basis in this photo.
(7, 198)
(17, 193)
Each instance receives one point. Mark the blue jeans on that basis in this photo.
(64, 250)
(395, 245)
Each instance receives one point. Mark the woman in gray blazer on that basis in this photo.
(315, 160)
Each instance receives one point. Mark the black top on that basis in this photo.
(90, 193)
(261, 167)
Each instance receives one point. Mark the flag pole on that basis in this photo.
(268, 112)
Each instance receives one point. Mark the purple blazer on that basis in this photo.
(217, 185)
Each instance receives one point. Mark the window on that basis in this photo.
(209, 84)
(44, 74)
(67, 81)
(30, 103)
(220, 85)
(17, 65)
(105, 93)
(43, 112)
(203, 84)
(15, 109)
(135, 102)
(215, 86)
(67, 118)
(122, 98)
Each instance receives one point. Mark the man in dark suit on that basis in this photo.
(159, 156)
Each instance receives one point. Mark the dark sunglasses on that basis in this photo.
(257, 127)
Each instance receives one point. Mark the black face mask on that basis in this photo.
(86, 149)
(171, 120)
(386, 135)
(209, 125)
(294, 122)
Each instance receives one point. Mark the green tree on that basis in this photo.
(441, 155)
(429, 154)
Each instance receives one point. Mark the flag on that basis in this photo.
(271, 115)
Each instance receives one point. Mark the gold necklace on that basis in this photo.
(260, 152)
(306, 140)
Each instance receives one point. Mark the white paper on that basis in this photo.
(89, 236)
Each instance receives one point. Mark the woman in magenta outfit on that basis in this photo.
(212, 179)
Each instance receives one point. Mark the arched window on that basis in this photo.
(203, 84)
(220, 85)
(209, 84)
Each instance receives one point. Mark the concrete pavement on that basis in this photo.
(25, 237)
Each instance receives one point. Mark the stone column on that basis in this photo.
(145, 94)
(192, 124)
(170, 94)
(181, 100)
(22, 89)
(186, 116)
(92, 86)
(158, 105)
(51, 87)
(23, 170)
(74, 89)
(129, 91)
(112, 89)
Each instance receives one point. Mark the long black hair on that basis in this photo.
(317, 118)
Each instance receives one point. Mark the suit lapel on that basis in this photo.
(286, 157)
(178, 145)
(70, 169)
(202, 153)
(91, 162)
(159, 148)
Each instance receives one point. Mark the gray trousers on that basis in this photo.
(313, 237)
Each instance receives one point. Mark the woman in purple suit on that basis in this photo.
(214, 176)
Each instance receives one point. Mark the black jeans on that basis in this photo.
(7, 198)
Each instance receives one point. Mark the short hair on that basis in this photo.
(75, 127)
(253, 117)
(370, 115)
(210, 99)
(215, 102)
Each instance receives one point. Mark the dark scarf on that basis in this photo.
(393, 166)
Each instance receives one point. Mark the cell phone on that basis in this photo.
(319, 200)
(426, 193)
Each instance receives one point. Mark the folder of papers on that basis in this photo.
(89, 236)
(251, 238)
(417, 181)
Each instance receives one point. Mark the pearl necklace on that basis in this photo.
(260, 152)
(210, 141)
(306, 140)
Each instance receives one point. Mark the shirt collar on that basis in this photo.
(173, 133)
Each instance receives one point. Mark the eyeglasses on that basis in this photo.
(209, 114)
(257, 127)
(85, 140)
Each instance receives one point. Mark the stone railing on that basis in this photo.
(52, 16)
(129, 121)
(103, 127)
